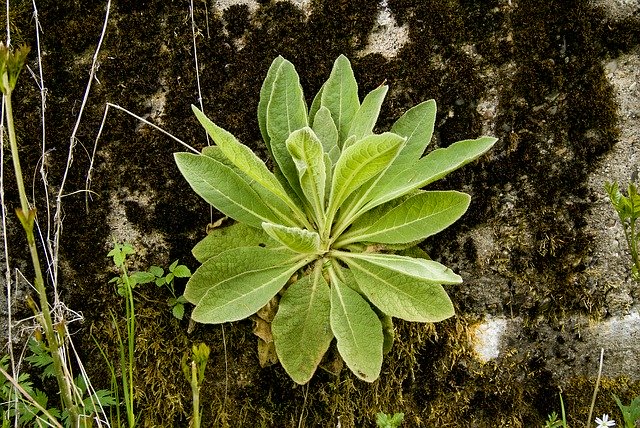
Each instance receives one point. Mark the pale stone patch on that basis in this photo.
(487, 337)
(387, 37)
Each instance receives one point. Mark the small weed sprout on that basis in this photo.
(125, 283)
(157, 275)
(194, 373)
(384, 420)
(628, 209)
(630, 413)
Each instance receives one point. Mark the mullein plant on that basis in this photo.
(11, 63)
(331, 232)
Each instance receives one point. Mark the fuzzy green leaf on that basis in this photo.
(403, 287)
(294, 238)
(286, 112)
(427, 270)
(223, 188)
(416, 124)
(308, 156)
(340, 96)
(327, 133)
(231, 264)
(367, 115)
(181, 271)
(242, 157)
(265, 96)
(286, 207)
(238, 282)
(414, 219)
(226, 238)
(360, 162)
(301, 329)
(409, 176)
(358, 331)
(315, 105)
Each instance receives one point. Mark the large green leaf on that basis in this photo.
(225, 238)
(286, 112)
(426, 270)
(360, 162)
(223, 188)
(327, 133)
(411, 175)
(238, 282)
(340, 96)
(367, 115)
(416, 124)
(294, 238)
(242, 157)
(234, 263)
(419, 216)
(308, 156)
(287, 208)
(265, 96)
(400, 288)
(357, 329)
(301, 329)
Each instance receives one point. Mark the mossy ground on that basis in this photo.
(555, 119)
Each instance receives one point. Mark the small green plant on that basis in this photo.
(553, 421)
(126, 282)
(194, 373)
(628, 209)
(32, 403)
(332, 229)
(157, 275)
(26, 410)
(384, 420)
(630, 413)
(125, 286)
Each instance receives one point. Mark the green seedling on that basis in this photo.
(329, 231)
(628, 209)
(384, 420)
(194, 373)
(157, 275)
(553, 421)
(125, 286)
(630, 413)
(32, 405)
